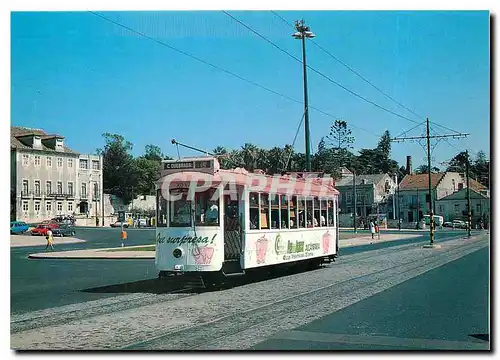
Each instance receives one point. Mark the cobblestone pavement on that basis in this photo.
(235, 318)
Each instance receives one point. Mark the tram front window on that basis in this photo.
(161, 207)
(180, 209)
(207, 208)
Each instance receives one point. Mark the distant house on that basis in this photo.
(454, 206)
(414, 189)
(374, 193)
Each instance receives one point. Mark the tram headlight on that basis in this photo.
(177, 253)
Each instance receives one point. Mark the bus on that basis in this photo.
(215, 223)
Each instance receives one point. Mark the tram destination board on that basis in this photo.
(184, 165)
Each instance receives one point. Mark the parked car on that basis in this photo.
(448, 224)
(18, 227)
(42, 229)
(142, 223)
(119, 224)
(459, 224)
(64, 230)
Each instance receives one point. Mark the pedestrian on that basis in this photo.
(372, 228)
(123, 237)
(50, 239)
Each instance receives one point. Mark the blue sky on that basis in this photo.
(80, 76)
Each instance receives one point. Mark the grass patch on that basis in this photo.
(141, 248)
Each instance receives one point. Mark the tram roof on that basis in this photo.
(255, 181)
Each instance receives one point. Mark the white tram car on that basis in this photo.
(213, 223)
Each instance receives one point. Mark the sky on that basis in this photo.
(78, 75)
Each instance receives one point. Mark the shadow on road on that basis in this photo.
(182, 284)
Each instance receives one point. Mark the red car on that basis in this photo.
(42, 229)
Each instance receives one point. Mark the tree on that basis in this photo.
(341, 140)
(249, 154)
(120, 173)
(423, 169)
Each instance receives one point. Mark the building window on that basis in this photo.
(95, 164)
(48, 206)
(59, 162)
(48, 185)
(59, 187)
(96, 190)
(70, 188)
(84, 164)
(453, 183)
(25, 206)
(37, 206)
(25, 187)
(70, 163)
(70, 207)
(59, 206)
(37, 160)
(478, 209)
(441, 209)
(49, 161)
(457, 208)
(37, 187)
(26, 159)
(84, 190)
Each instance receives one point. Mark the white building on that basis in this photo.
(46, 179)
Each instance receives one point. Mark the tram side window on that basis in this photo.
(275, 210)
(301, 209)
(254, 211)
(264, 211)
(293, 212)
(207, 208)
(161, 206)
(284, 211)
(323, 213)
(309, 213)
(316, 213)
(331, 213)
(180, 208)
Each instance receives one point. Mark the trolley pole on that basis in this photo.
(399, 210)
(469, 212)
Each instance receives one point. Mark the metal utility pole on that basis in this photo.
(355, 202)
(302, 33)
(469, 212)
(428, 137)
(399, 210)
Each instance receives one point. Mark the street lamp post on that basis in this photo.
(302, 33)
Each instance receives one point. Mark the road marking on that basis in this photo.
(427, 344)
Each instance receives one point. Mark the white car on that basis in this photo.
(142, 223)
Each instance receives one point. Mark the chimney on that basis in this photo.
(408, 165)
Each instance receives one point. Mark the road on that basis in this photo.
(41, 284)
(398, 297)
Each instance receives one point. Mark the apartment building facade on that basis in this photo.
(46, 179)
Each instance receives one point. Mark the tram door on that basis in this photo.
(232, 230)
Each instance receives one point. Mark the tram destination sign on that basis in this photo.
(188, 165)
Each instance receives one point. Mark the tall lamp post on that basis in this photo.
(302, 33)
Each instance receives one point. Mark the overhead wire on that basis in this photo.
(362, 77)
(219, 68)
(351, 69)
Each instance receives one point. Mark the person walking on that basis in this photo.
(123, 237)
(372, 228)
(50, 239)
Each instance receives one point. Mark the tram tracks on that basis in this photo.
(234, 331)
(200, 321)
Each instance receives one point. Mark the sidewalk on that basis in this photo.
(120, 253)
(30, 240)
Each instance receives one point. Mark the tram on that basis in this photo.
(214, 223)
